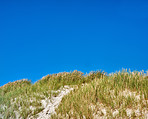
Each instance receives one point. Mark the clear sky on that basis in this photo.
(40, 37)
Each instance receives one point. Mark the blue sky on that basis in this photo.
(42, 37)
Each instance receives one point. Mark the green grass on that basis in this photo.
(107, 93)
(95, 92)
(17, 96)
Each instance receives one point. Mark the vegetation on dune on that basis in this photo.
(21, 95)
(122, 94)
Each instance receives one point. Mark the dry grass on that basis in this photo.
(17, 97)
(121, 95)
(118, 95)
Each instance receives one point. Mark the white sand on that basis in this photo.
(51, 104)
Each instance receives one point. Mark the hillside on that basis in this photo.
(73, 95)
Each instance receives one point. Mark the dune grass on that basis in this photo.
(21, 99)
(120, 95)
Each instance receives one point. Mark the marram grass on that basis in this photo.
(118, 95)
